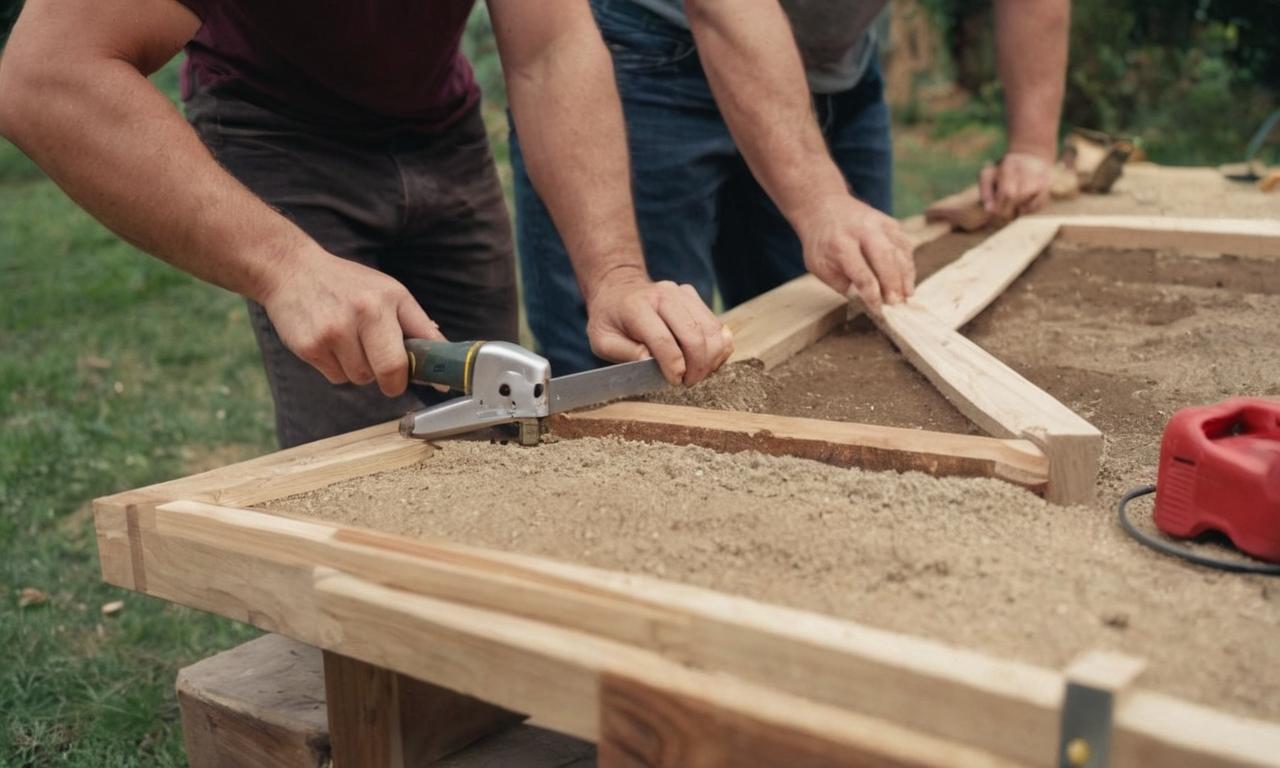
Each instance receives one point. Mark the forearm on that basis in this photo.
(118, 147)
(569, 117)
(1031, 51)
(758, 79)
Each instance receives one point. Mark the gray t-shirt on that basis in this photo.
(835, 37)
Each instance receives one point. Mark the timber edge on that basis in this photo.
(610, 657)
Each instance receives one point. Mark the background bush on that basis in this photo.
(1191, 79)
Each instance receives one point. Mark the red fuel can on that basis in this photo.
(1220, 470)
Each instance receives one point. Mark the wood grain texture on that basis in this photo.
(998, 399)
(776, 325)
(382, 719)
(842, 444)
(958, 292)
(1258, 238)
(536, 635)
(294, 470)
(259, 704)
(645, 726)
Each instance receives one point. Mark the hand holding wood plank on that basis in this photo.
(858, 251)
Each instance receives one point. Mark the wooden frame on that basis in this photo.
(662, 674)
(785, 321)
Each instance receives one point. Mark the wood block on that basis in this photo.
(381, 719)
(260, 704)
(963, 210)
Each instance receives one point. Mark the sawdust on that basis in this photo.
(976, 563)
(740, 386)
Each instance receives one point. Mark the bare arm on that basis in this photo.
(74, 96)
(758, 79)
(566, 106)
(1031, 54)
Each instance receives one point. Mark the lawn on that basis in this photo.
(117, 371)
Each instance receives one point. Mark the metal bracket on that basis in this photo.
(1094, 684)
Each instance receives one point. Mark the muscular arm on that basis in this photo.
(758, 80)
(566, 107)
(1031, 56)
(74, 97)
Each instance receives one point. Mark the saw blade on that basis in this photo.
(613, 382)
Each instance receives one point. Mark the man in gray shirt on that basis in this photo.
(745, 175)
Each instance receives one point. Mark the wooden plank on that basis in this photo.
(997, 706)
(522, 659)
(958, 292)
(382, 719)
(293, 470)
(1258, 238)
(831, 442)
(776, 325)
(998, 399)
(647, 726)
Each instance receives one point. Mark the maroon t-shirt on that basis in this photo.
(375, 64)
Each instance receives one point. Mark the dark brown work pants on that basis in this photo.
(427, 210)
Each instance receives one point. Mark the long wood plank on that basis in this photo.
(295, 470)
(959, 291)
(1240, 237)
(247, 565)
(840, 443)
(571, 682)
(998, 399)
(548, 669)
(776, 325)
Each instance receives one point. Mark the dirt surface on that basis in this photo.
(976, 563)
(1124, 338)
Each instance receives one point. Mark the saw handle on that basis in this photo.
(446, 363)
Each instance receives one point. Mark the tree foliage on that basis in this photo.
(1190, 78)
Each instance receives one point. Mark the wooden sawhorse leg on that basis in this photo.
(382, 719)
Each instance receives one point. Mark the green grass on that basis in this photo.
(117, 371)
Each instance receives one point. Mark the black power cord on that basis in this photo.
(1160, 545)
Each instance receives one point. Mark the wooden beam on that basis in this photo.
(776, 325)
(535, 635)
(544, 664)
(998, 399)
(831, 442)
(643, 725)
(295, 470)
(382, 719)
(958, 292)
(1258, 238)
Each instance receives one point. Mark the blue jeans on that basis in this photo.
(703, 218)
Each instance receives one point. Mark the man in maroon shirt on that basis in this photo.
(339, 176)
